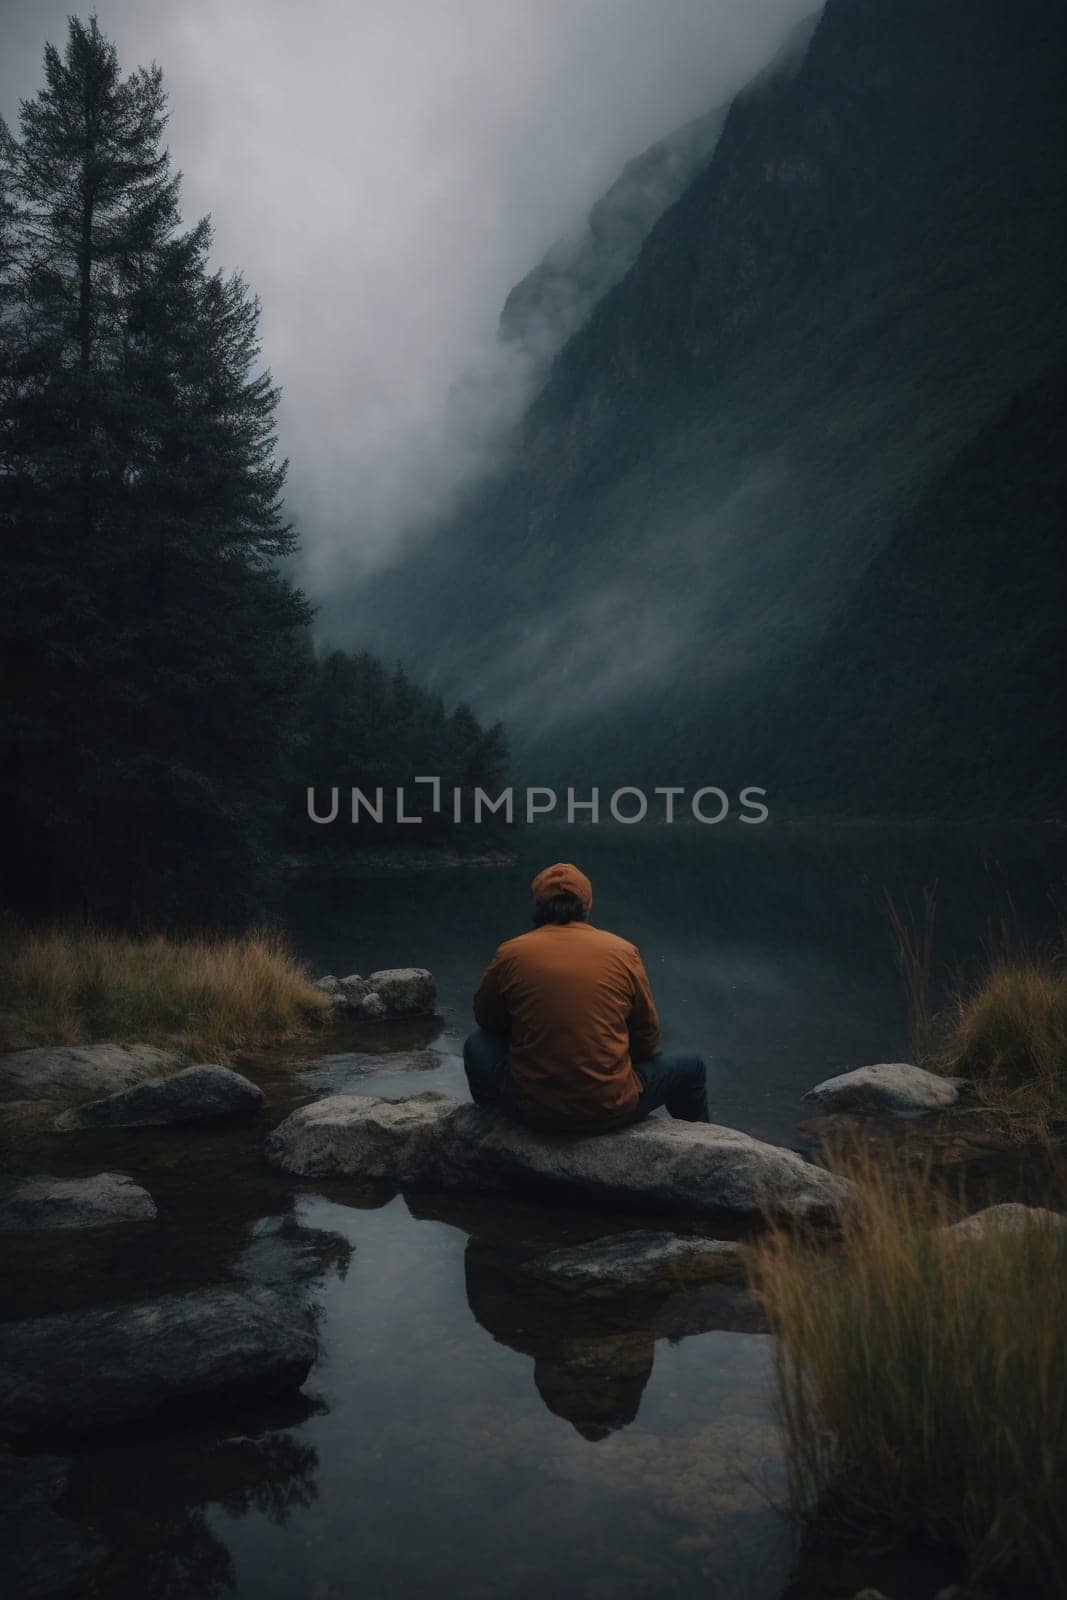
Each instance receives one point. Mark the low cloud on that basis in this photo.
(383, 171)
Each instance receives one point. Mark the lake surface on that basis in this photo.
(769, 948)
(466, 1434)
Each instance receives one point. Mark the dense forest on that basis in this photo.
(371, 729)
(162, 702)
(747, 532)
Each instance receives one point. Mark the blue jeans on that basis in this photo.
(676, 1079)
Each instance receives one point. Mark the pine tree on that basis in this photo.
(154, 657)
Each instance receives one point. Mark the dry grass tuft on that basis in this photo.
(921, 1378)
(207, 996)
(1011, 1031)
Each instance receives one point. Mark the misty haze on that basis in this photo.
(533, 871)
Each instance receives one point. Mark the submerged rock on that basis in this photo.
(43, 1556)
(891, 1086)
(434, 1139)
(1011, 1217)
(197, 1094)
(636, 1262)
(78, 1072)
(42, 1202)
(82, 1370)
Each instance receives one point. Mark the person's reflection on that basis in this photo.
(596, 1382)
(592, 1359)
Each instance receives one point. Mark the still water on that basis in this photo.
(769, 948)
(465, 1434)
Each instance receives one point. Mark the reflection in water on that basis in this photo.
(592, 1358)
(640, 1460)
(150, 1501)
(714, 1478)
(479, 1433)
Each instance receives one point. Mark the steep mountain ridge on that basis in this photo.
(547, 306)
(864, 274)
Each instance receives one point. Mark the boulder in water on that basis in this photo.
(79, 1072)
(895, 1086)
(435, 1140)
(406, 991)
(34, 1205)
(82, 1370)
(196, 1094)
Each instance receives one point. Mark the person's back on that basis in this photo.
(575, 1005)
(568, 1032)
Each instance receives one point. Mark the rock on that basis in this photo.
(641, 1261)
(78, 1073)
(345, 995)
(393, 992)
(1011, 1217)
(282, 1254)
(81, 1370)
(692, 1166)
(196, 1094)
(892, 1086)
(41, 1202)
(43, 1556)
(406, 991)
(361, 1136)
(433, 1139)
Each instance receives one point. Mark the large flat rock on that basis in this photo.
(436, 1140)
(69, 1072)
(40, 1203)
(196, 1094)
(83, 1370)
(692, 1166)
(888, 1086)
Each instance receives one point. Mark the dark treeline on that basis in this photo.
(160, 688)
(371, 729)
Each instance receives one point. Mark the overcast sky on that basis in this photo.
(382, 172)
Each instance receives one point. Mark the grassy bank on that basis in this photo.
(1005, 1029)
(921, 1381)
(206, 996)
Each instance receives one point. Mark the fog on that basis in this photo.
(382, 172)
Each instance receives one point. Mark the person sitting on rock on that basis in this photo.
(568, 1034)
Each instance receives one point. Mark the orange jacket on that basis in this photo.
(576, 1007)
